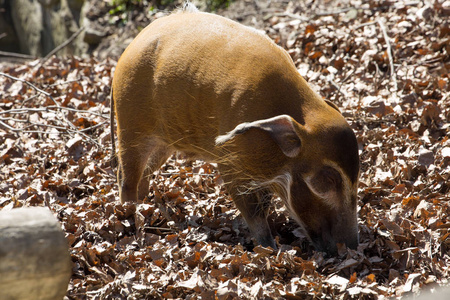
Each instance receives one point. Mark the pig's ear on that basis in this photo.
(283, 129)
(332, 105)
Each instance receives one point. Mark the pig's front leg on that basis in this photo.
(254, 208)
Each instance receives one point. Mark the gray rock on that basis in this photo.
(35, 261)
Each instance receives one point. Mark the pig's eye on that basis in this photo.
(326, 180)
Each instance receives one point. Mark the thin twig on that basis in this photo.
(23, 110)
(16, 55)
(317, 14)
(7, 126)
(188, 174)
(41, 132)
(49, 86)
(50, 108)
(348, 76)
(14, 120)
(61, 83)
(337, 12)
(94, 126)
(389, 52)
(292, 16)
(31, 124)
(86, 137)
(338, 87)
(58, 110)
(389, 49)
(79, 111)
(365, 24)
(158, 228)
(45, 125)
(67, 42)
(29, 84)
(29, 99)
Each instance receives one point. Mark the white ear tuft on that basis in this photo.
(189, 7)
(222, 139)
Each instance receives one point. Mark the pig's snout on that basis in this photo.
(332, 234)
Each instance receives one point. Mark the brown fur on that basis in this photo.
(190, 78)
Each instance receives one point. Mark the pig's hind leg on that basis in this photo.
(157, 158)
(135, 157)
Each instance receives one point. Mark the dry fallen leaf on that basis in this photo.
(187, 240)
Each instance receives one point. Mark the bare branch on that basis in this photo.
(29, 84)
(16, 55)
(51, 108)
(67, 42)
(389, 52)
(65, 126)
(388, 46)
(365, 24)
(337, 12)
(79, 111)
(7, 126)
(291, 15)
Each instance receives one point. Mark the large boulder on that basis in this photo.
(35, 262)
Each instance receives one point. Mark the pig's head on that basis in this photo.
(319, 173)
(324, 190)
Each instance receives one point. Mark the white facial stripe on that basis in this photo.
(280, 184)
(283, 183)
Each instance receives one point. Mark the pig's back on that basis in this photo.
(188, 69)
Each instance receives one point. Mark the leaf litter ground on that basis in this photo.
(187, 240)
